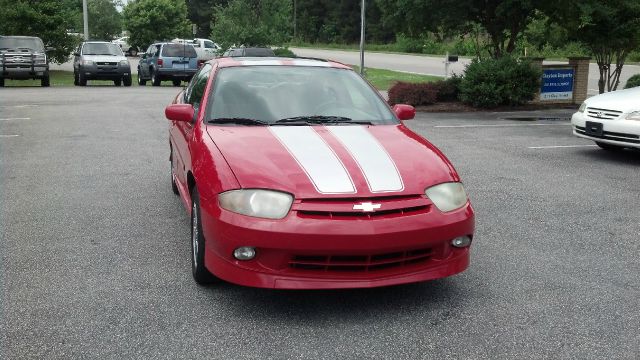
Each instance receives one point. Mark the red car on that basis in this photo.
(298, 175)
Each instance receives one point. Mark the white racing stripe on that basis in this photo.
(316, 158)
(377, 166)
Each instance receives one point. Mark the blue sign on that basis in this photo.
(557, 84)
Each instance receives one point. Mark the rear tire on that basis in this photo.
(201, 275)
(126, 80)
(117, 82)
(155, 79)
(176, 82)
(609, 147)
(141, 81)
(45, 81)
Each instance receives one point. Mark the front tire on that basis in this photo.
(75, 79)
(82, 80)
(609, 147)
(1, 82)
(45, 81)
(117, 82)
(201, 275)
(126, 80)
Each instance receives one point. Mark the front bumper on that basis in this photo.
(618, 132)
(105, 72)
(23, 71)
(299, 252)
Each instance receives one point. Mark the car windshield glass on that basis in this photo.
(258, 52)
(101, 49)
(7, 42)
(178, 50)
(300, 94)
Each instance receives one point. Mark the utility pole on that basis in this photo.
(295, 20)
(362, 38)
(85, 17)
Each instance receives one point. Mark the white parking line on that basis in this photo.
(497, 125)
(10, 119)
(7, 136)
(559, 146)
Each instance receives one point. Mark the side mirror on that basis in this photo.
(179, 112)
(404, 112)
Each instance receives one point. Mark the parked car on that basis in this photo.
(205, 48)
(167, 61)
(123, 42)
(23, 58)
(612, 119)
(298, 175)
(249, 52)
(100, 60)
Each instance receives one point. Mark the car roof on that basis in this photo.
(96, 42)
(278, 61)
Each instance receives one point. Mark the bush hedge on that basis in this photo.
(633, 81)
(505, 81)
(413, 94)
(283, 52)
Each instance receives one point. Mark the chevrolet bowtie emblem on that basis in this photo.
(367, 207)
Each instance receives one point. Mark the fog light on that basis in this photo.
(462, 241)
(244, 253)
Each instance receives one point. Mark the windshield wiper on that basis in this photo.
(320, 119)
(240, 121)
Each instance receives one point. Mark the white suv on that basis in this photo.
(123, 42)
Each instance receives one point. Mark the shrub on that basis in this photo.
(407, 44)
(448, 90)
(633, 81)
(284, 52)
(504, 81)
(413, 94)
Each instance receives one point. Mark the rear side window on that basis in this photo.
(178, 50)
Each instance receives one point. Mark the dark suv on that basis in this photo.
(23, 58)
(167, 61)
(100, 60)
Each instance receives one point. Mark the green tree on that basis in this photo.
(503, 20)
(46, 19)
(200, 12)
(155, 20)
(610, 29)
(105, 22)
(253, 23)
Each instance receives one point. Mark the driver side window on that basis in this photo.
(195, 90)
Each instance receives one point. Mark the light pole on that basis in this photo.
(295, 20)
(362, 38)
(85, 18)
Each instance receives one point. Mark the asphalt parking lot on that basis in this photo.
(95, 248)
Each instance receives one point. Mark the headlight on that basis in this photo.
(41, 59)
(266, 204)
(634, 115)
(124, 62)
(448, 196)
(583, 107)
(87, 62)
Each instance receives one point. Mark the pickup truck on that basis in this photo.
(205, 48)
(23, 58)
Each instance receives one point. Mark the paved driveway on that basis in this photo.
(94, 248)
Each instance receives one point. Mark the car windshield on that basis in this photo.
(101, 49)
(292, 94)
(25, 43)
(178, 50)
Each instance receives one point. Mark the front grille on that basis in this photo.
(609, 135)
(359, 263)
(107, 63)
(603, 114)
(352, 208)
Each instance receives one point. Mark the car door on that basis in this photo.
(143, 67)
(181, 133)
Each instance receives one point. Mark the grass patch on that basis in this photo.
(383, 79)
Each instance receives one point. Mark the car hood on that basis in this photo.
(622, 100)
(103, 58)
(334, 161)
